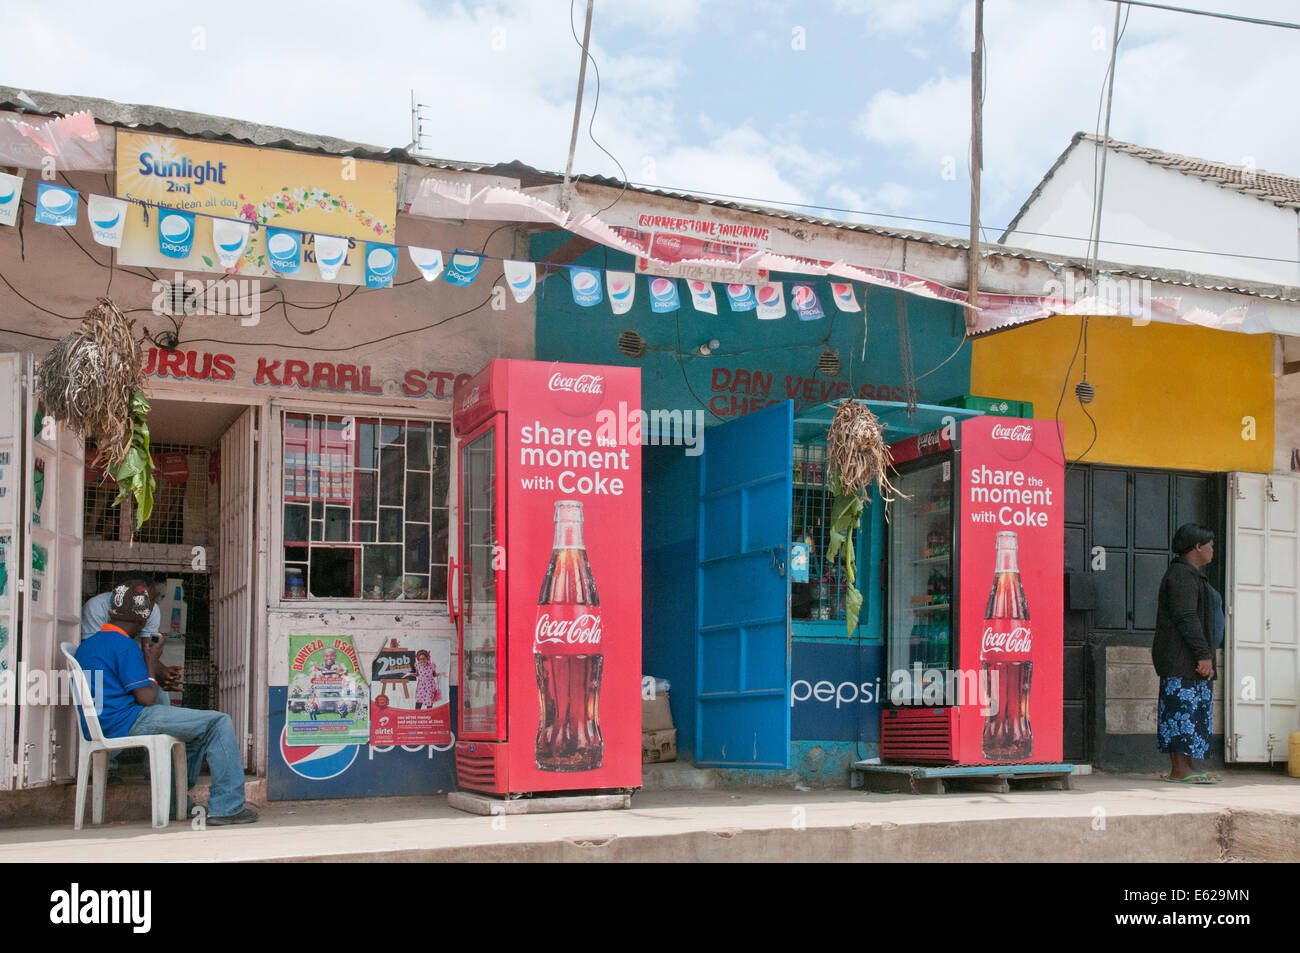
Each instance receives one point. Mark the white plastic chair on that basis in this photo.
(163, 771)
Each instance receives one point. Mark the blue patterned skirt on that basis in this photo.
(1183, 716)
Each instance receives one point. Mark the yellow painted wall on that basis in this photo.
(1167, 396)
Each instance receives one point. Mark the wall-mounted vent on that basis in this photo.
(631, 344)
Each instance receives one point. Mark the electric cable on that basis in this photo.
(677, 315)
(1257, 21)
(595, 105)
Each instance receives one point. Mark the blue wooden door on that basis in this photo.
(743, 615)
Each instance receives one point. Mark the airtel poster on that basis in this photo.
(1012, 562)
(574, 575)
(410, 694)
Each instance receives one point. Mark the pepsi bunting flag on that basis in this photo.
(521, 276)
(428, 260)
(845, 299)
(663, 295)
(176, 233)
(586, 287)
(107, 219)
(283, 250)
(462, 270)
(741, 298)
(56, 205)
(11, 194)
(804, 301)
(621, 286)
(330, 253)
(381, 265)
(771, 301)
(229, 239)
(702, 296)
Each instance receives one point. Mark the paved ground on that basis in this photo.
(1251, 816)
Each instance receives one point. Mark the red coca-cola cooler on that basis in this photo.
(974, 621)
(545, 590)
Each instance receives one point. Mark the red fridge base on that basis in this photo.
(561, 432)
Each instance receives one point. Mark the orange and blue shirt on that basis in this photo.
(114, 666)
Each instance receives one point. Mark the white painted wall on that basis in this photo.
(1150, 205)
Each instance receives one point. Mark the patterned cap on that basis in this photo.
(130, 602)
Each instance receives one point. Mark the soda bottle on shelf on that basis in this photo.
(1006, 659)
(567, 653)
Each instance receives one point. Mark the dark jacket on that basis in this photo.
(1184, 621)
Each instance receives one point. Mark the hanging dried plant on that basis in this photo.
(857, 456)
(93, 381)
(856, 452)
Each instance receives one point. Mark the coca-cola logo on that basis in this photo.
(582, 384)
(470, 399)
(1015, 642)
(1021, 432)
(581, 630)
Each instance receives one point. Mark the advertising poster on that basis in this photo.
(334, 195)
(1012, 563)
(574, 505)
(329, 700)
(410, 692)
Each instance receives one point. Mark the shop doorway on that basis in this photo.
(197, 545)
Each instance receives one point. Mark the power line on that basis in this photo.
(963, 225)
(1210, 13)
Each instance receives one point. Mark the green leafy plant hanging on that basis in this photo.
(858, 457)
(93, 382)
(134, 475)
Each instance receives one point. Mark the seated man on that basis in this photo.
(93, 616)
(129, 690)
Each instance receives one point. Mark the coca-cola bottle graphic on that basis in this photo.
(567, 653)
(1006, 664)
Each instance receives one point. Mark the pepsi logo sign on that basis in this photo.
(319, 762)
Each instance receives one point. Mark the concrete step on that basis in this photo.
(677, 776)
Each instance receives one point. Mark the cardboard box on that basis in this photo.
(655, 713)
(659, 746)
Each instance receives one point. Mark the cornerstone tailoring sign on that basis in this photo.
(334, 195)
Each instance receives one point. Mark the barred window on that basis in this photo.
(365, 507)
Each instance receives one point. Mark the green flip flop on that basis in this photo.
(1201, 778)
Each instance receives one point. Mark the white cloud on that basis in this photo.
(1183, 84)
(893, 17)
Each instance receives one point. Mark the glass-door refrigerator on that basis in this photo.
(974, 623)
(546, 586)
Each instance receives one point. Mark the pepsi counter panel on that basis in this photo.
(975, 563)
(545, 589)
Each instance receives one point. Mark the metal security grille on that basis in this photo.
(179, 509)
(823, 595)
(200, 674)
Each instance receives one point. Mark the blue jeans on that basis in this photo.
(209, 734)
(163, 699)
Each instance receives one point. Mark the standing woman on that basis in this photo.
(1183, 656)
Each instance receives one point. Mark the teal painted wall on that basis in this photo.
(757, 361)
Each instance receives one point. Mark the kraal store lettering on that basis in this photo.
(583, 384)
(584, 630)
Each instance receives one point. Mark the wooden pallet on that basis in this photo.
(987, 778)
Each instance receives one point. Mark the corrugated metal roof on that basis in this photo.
(219, 128)
(1272, 187)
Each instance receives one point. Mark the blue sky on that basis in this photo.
(859, 104)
